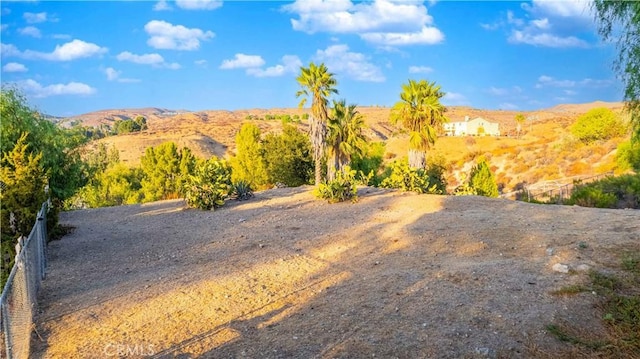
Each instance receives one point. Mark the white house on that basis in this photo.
(476, 127)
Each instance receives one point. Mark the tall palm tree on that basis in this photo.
(344, 138)
(318, 83)
(420, 112)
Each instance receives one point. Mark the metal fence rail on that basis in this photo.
(18, 302)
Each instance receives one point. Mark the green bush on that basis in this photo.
(288, 157)
(369, 162)
(482, 180)
(403, 177)
(598, 124)
(611, 192)
(628, 156)
(342, 188)
(210, 185)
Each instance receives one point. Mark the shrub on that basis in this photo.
(288, 157)
(210, 185)
(369, 162)
(403, 177)
(611, 192)
(342, 188)
(598, 124)
(482, 180)
(242, 190)
(628, 156)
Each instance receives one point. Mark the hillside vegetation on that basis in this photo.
(547, 151)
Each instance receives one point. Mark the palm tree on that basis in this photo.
(420, 112)
(344, 138)
(318, 83)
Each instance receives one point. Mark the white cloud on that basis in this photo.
(35, 18)
(508, 106)
(35, 89)
(548, 81)
(354, 65)
(420, 69)
(73, 50)
(30, 31)
(162, 5)
(199, 4)
(454, 99)
(155, 60)
(545, 39)
(382, 22)
(61, 36)
(554, 24)
(426, 36)
(490, 27)
(14, 67)
(572, 8)
(545, 80)
(569, 92)
(114, 75)
(174, 37)
(242, 61)
(202, 63)
(290, 65)
(500, 91)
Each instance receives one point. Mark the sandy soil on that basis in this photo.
(285, 275)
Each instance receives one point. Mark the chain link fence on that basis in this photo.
(18, 303)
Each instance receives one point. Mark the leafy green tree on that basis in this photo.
(288, 157)
(61, 160)
(248, 164)
(620, 21)
(421, 113)
(21, 196)
(161, 169)
(141, 123)
(482, 180)
(345, 137)
(24, 182)
(116, 185)
(628, 156)
(598, 124)
(519, 122)
(318, 83)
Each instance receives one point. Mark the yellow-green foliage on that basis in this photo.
(165, 170)
(210, 185)
(482, 180)
(341, 188)
(248, 164)
(598, 124)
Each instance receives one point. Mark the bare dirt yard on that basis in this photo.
(285, 275)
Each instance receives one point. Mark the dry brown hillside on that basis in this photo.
(544, 153)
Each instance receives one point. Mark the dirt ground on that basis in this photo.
(284, 275)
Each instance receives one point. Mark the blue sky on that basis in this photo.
(75, 57)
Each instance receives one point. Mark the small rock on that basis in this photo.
(583, 268)
(561, 268)
(549, 251)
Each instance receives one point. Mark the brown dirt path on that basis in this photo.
(287, 276)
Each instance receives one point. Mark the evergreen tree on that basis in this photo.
(248, 164)
(482, 180)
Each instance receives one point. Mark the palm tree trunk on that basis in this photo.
(417, 159)
(333, 165)
(317, 134)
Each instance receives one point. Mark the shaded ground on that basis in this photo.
(287, 276)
